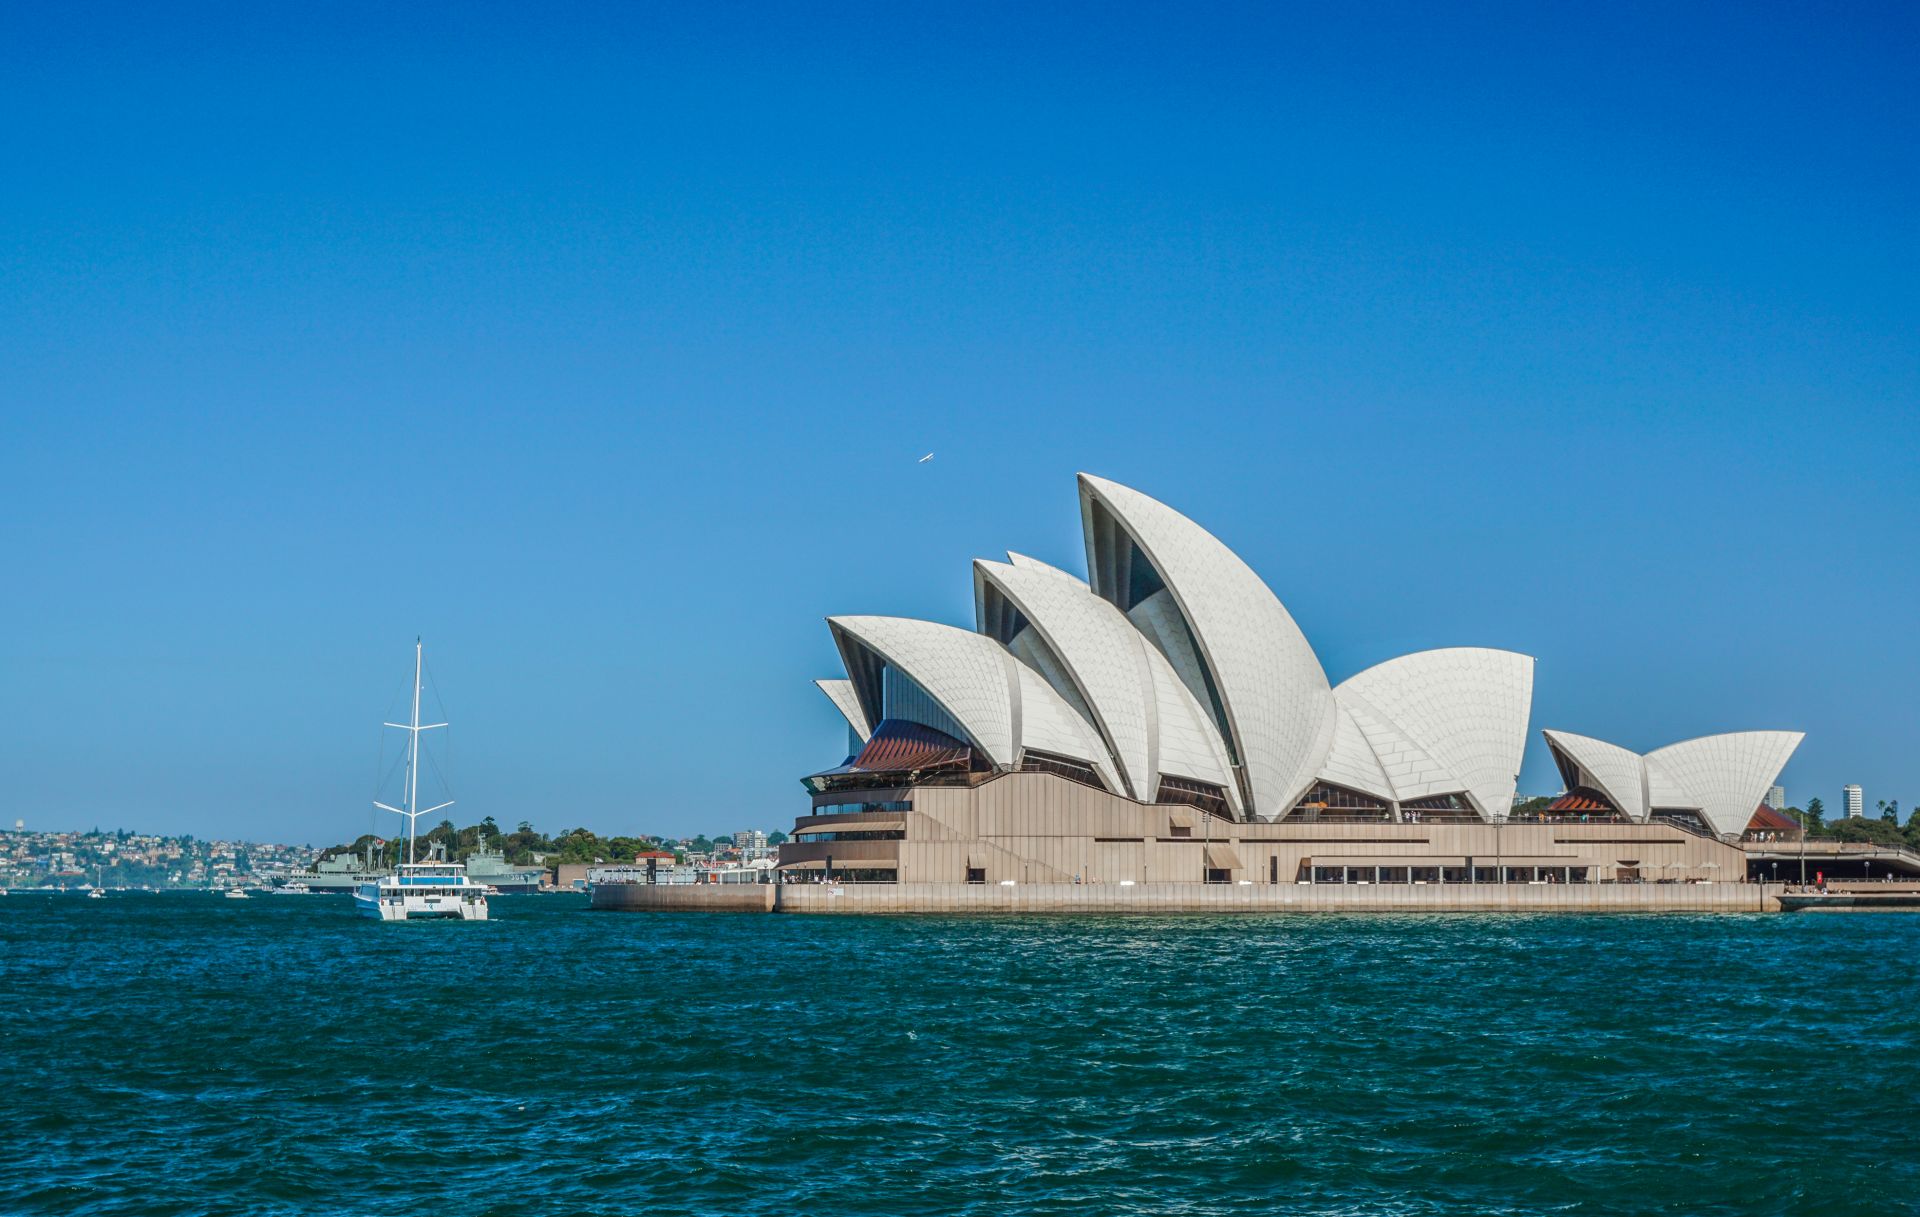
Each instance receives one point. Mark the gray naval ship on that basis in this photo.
(340, 873)
(490, 866)
(343, 873)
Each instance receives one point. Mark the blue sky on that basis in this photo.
(597, 345)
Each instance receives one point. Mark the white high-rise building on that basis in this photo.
(1856, 802)
(1777, 798)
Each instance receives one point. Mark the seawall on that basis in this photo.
(1169, 898)
(685, 897)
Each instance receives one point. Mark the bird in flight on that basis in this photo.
(923, 460)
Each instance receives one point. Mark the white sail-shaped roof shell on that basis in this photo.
(1665, 790)
(1049, 724)
(1464, 708)
(1274, 695)
(1003, 706)
(1100, 651)
(1614, 771)
(845, 700)
(1187, 745)
(1723, 777)
(1149, 721)
(1174, 660)
(1411, 771)
(1728, 775)
(1352, 762)
(971, 677)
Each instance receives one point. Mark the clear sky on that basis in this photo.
(598, 344)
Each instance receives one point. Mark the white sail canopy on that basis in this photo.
(1175, 663)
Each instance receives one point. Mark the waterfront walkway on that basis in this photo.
(1161, 898)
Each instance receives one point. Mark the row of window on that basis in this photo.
(1450, 874)
(1187, 792)
(858, 874)
(852, 809)
(1066, 767)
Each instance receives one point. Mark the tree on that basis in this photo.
(1877, 832)
(780, 838)
(1816, 811)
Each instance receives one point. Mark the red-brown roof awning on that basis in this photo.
(897, 744)
(1580, 798)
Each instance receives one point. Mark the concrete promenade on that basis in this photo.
(1171, 898)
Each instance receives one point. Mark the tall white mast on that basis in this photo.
(413, 752)
(413, 728)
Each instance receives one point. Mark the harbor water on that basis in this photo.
(182, 1054)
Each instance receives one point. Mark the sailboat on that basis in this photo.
(416, 890)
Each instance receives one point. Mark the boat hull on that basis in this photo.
(392, 906)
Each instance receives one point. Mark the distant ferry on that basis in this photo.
(420, 890)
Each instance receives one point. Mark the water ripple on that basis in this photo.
(180, 1054)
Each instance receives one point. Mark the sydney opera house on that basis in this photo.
(1166, 721)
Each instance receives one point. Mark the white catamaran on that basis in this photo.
(420, 890)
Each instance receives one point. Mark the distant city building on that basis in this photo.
(750, 840)
(1856, 802)
(1777, 798)
(127, 859)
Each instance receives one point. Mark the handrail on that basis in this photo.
(1828, 844)
(1683, 826)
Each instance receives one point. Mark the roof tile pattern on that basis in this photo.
(845, 700)
(1278, 704)
(1189, 746)
(1150, 722)
(967, 674)
(1728, 775)
(1003, 705)
(1665, 790)
(1723, 777)
(1351, 761)
(1049, 724)
(1101, 652)
(1612, 770)
(1466, 708)
(1409, 767)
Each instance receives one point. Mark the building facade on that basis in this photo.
(1855, 800)
(1166, 720)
